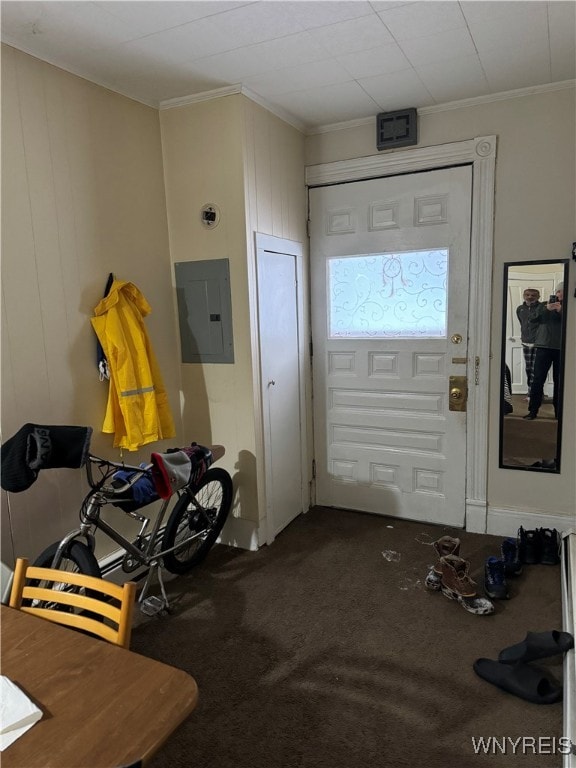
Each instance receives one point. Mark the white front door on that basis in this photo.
(281, 380)
(389, 267)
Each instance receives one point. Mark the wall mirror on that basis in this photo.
(532, 365)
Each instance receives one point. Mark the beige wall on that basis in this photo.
(82, 196)
(535, 216)
(232, 153)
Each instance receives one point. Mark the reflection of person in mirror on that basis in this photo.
(548, 341)
(527, 310)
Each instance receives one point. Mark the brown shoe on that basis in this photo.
(456, 584)
(446, 545)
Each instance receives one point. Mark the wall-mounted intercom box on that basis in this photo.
(205, 311)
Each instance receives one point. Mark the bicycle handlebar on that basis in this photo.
(138, 472)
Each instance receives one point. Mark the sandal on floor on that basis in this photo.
(528, 683)
(537, 645)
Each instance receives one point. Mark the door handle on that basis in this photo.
(458, 393)
(271, 383)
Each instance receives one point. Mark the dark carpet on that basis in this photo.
(324, 650)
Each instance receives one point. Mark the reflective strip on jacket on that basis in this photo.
(138, 411)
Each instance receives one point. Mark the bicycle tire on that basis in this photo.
(214, 488)
(77, 553)
(78, 557)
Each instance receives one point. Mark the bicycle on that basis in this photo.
(198, 512)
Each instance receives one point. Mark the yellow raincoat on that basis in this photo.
(138, 411)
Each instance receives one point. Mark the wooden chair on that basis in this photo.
(99, 615)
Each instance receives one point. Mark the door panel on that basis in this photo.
(390, 262)
(280, 366)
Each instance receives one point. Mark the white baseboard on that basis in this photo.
(240, 533)
(475, 516)
(502, 521)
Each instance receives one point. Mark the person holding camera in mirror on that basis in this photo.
(524, 312)
(548, 341)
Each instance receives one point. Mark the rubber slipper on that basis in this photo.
(528, 683)
(537, 645)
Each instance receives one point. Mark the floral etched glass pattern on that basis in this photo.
(388, 295)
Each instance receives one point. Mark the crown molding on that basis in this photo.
(460, 104)
(184, 101)
(228, 90)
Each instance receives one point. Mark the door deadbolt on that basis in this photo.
(458, 393)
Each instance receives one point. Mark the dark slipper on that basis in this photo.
(527, 682)
(537, 645)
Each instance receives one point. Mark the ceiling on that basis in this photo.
(313, 62)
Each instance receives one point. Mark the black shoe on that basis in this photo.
(495, 579)
(529, 417)
(529, 546)
(550, 546)
(511, 557)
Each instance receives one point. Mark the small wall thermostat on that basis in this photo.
(210, 215)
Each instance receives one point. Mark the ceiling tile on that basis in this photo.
(249, 61)
(421, 19)
(443, 45)
(153, 90)
(378, 61)
(328, 104)
(398, 90)
(386, 5)
(351, 36)
(148, 16)
(187, 42)
(506, 26)
(258, 22)
(65, 26)
(482, 12)
(119, 63)
(511, 67)
(299, 78)
(319, 13)
(437, 77)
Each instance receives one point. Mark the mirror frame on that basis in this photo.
(508, 267)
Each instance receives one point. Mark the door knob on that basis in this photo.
(457, 393)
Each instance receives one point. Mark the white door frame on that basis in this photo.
(481, 154)
(292, 248)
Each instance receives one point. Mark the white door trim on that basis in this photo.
(481, 154)
(292, 248)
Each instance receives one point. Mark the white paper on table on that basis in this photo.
(17, 712)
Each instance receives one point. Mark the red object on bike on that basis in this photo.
(170, 472)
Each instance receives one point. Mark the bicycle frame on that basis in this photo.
(146, 556)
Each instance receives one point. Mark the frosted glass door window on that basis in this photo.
(392, 295)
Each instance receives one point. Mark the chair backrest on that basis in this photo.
(82, 602)
(6, 574)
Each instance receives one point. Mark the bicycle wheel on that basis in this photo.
(214, 495)
(78, 558)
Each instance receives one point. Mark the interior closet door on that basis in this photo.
(281, 381)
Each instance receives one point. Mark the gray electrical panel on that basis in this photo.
(205, 311)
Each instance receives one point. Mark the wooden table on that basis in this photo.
(103, 706)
